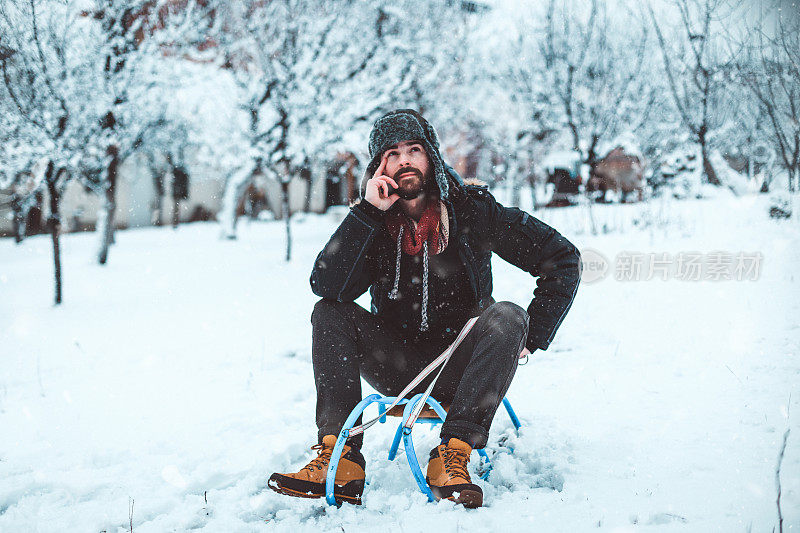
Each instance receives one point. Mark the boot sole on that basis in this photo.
(350, 487)
(469, 498)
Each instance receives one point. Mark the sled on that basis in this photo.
(433, 413)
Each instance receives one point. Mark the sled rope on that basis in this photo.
(440, 361)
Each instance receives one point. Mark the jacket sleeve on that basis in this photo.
(342, 269)
(528, 243)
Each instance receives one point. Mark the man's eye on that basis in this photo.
(390, 154)
(415, 148)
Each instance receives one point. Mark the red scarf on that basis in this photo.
(429, 228)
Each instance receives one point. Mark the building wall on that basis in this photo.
(136, 198)
(6, 224)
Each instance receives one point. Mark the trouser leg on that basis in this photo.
(480, 372)
(348, 341)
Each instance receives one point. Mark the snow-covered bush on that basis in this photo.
(680, 174)
(780, 205)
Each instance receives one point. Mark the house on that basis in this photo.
(342, 180)
(621, 170)
(562, 169)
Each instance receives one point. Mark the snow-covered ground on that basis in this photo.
(178, 377)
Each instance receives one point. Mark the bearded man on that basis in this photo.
(421, 240)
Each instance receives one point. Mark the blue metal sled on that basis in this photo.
(405, 434)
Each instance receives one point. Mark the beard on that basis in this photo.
(411, 182)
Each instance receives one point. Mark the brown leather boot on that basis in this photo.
(448, 476)
(309, 482)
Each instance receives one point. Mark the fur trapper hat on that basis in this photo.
(405, 125)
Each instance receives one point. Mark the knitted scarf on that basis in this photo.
(432, 227)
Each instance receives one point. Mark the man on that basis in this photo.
(421, 241)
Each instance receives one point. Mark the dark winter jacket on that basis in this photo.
(361, 255)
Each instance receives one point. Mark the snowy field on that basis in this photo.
(178, 377)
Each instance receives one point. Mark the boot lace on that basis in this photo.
(455, 463)
(323, 458)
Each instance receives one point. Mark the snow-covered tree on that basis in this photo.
(124, 48)
(311, 78)
(75, 82)
(595, 64)
(494, 99)
(572, 76)
(697, 66)
(39, 71)
(770, 69)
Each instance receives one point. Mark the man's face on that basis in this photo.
(408, 164)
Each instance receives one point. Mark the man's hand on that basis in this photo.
(524, 353)
(377, 192)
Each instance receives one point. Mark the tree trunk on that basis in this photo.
(708, 168)
(158, 201)
(54, 225)
(516, 186)
(18, 220)
(176, 213)
(109, 208)
(765, 185)
(308, 177)
(287, 216)
(234, 189)
(155, 217)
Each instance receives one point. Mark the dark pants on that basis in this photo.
(349, 343)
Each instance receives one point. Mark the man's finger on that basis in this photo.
(381, 167)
